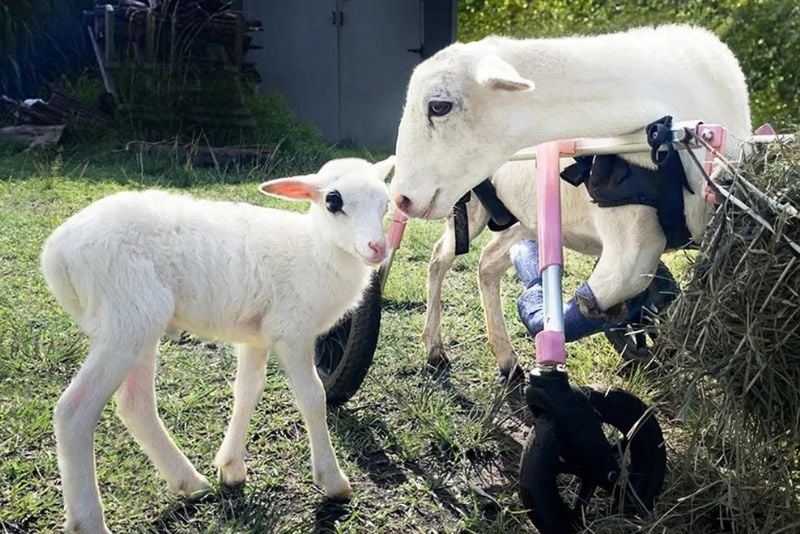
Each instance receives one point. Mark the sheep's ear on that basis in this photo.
(383, 168)
(293, 188)
(495, 73)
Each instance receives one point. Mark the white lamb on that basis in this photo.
(133, 265)
(471, 106)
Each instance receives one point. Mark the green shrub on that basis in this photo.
(764, 35)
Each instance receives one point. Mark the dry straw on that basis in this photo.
(730, 361)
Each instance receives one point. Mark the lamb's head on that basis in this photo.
(349, 201)
(462, 107)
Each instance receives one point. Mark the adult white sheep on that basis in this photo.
(471, 106)
(133, 265)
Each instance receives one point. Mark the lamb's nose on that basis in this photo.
(378, 248)
(403, 202)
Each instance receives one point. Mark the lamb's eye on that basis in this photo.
(439, 108)
(333, 201)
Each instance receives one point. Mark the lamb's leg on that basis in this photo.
(494, 262)
(247, 390)
(442, 259)
(75, 418)
(297, 359)
(136, 406)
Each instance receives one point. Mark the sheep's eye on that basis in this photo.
(439, 108)
(333, 201)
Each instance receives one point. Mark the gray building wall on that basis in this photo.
(344, 64)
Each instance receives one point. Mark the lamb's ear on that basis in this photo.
(293, 188)
(383, 168)
(495, 73)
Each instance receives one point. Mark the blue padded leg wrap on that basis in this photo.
(576, 325)
(582, 314)
(525, 257)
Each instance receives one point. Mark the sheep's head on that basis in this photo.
(458, 126)
(349, 201)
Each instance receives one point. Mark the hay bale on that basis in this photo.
(731, 359)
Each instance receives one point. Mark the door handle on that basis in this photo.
(420, 50)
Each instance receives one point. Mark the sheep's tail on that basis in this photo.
(56, 274)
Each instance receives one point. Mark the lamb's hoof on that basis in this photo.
(337, 489)
(437, 359)
(513, 377)
(232, 473)
(192, 488)
(81, 527)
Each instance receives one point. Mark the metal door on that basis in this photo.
(298, 58)
(374, 67)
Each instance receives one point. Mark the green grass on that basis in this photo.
(423, 454)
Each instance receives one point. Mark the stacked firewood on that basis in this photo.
(179, 62)
(164, 31)
(58, 109)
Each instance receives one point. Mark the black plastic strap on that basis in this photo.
(461, 225)
(659, 134)
(500, 217)
(578, 172)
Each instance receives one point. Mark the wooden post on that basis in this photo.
(150, 38)
(109, 34)
(173, 41)
(238, 42)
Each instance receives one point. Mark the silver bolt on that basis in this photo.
(708, 135)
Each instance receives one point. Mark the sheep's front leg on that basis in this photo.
(297, 359)
(633, 242)
(247, 389)
(493, 263)
(442, 259)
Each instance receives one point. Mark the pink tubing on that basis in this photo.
(550, 344)
(396, 229)
(550, 348)
(549, 184)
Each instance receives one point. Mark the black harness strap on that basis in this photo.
(500, 217)
(612, 181)
(461, 225)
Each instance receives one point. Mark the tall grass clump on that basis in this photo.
(732, 360)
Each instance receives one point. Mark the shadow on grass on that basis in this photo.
(363, 440)
(232, 507)
(371, 445)
(328, 513)
(396, 306)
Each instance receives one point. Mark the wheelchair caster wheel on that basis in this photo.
(556, 496)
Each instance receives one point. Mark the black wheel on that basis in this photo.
(557, 498)
(344, 354)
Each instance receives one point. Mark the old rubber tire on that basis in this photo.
(343, 355)
(541, 464)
